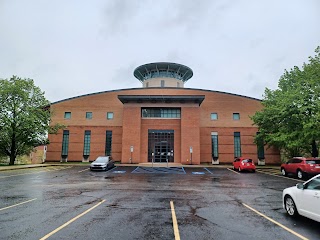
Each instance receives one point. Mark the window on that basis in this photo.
(162, 83)
(109, 115)
(214, 145)
(88, 115)
(313, 184)
(160, 113)
(260, 148)
(295, 160)
(214, 116)
(236, 116)
(108, 143)
(67, 115)
(65, 143)
(237, 144)
(178, 84)
(86, 144)
(147, 84)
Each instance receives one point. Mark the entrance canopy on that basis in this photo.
(161, 98)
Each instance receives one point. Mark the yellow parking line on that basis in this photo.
(280, 176)
(275, 222)
(83, 170)
(21, 174)
(70, 221)
(174, 222)
(231, 170)
(35, 172)
(17, 204)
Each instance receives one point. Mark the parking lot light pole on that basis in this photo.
(191, 150)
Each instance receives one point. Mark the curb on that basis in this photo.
(8, 168)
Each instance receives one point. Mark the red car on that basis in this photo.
(302, 167)
(242, 163)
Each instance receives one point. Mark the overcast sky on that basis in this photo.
(73, 47)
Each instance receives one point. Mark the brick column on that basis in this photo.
(190, 134)
(131, 132)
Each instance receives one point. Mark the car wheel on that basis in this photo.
(300, 174)
(283, 171)
(290, 206)
(239, 169)
(253, 171)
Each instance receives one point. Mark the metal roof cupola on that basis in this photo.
(163, 74)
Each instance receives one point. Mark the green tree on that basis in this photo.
(24, 117)
(290, 118)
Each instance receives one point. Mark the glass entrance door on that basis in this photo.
(160, 145)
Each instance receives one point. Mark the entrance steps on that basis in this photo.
(160, 164)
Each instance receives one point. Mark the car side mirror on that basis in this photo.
(300, 186)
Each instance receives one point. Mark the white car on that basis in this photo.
(102, 163)
(303, 199)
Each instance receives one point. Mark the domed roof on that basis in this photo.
(163, 69)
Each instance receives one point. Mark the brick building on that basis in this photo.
(160, 122)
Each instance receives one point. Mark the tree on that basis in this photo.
(290, 118)
(24, 117)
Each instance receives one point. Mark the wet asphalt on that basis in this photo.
(134, 203)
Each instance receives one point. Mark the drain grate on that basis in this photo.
(172, 170)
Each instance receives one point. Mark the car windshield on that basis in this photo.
(101, 160)
(313, 161)
(247, 161)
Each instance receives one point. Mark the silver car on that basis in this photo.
(102, 163)
(303, 199)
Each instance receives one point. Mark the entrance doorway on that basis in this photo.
(160, 145)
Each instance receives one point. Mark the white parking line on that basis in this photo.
(231, 170)
(275, 222)
(70, 221)
(280, 176)
(84, 170)
(17, 204)
(208, 170)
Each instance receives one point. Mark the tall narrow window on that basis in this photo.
(147, 84)
(178, 84)
(260, 147)
(237, 144)
(65, 143)
(162, 83)
(108, 142)
(214, 145)
(86, 143)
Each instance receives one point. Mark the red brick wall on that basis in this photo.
(128, 128)
(76, 142)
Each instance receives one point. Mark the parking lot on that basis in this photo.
(72, 202)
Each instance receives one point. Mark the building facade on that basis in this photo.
(161, 122)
